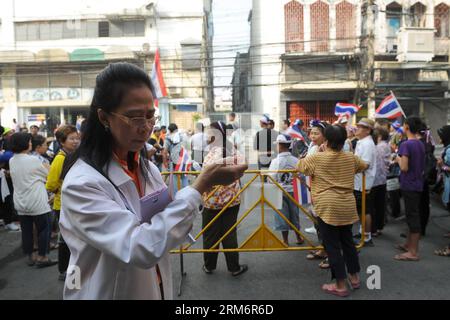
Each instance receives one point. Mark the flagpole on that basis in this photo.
(403, 112)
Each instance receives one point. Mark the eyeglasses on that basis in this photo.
(136, 122)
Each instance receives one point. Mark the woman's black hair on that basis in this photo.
(380, 132)
(226, 144)
(319, 125)
(414, 123)
(112, 84)
(37, 141)
(172, 127)
(444, 134)
(336, 136)
(287, 122)
(20, 142)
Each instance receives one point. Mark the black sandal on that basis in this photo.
(325, 264)
(243, 269)
(45, 264)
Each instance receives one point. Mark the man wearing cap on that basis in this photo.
(366, 150)
(285, 161)
(263, 143)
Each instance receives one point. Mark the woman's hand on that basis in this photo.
(323, 147)
(218, 174)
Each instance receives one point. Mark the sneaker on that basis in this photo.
(311, 230)
(12, 227)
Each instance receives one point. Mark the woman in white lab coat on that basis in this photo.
(113, 254)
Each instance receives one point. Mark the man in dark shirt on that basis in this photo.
(264, 143)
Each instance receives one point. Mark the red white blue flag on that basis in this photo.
(346, 109)
(302, 190)
(389, 108)
(159, 86)
(184, 161)
(294, 133)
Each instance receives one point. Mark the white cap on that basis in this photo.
(284, 139)
(265, 119)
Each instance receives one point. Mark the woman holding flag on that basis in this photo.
(317, 136)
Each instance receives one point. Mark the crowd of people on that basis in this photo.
(397, 160)
(31, 191)
(83, 197)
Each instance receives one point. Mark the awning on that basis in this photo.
(88, 54)
(322, 86)
(52, 55)
(14, 56)
(119, 53)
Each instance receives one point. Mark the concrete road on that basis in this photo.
(271, 275)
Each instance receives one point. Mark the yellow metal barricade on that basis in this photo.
(262, 239)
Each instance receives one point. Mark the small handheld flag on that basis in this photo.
(346, 109)
(184, 161)
(302, 190)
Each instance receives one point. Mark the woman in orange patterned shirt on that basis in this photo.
(220, 148)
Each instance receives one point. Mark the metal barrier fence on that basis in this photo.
(262, 239)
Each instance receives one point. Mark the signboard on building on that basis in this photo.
(36, 117)
(433, 75)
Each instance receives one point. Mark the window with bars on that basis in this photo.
(294, 29)
(345, 26)
(417, 15)
(69, 29)
(320, 26)
(311, 110)
(442, 21)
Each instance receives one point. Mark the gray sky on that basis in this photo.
(231, 35)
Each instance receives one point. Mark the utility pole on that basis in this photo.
(369, 59)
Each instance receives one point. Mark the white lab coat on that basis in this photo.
(115, 254)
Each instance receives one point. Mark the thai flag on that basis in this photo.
(389, 108)
(397, 126)
(184, 161)
(346, 109)
(302, 190)
(159, 86)
(294, 133)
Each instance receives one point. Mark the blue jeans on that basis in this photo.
(291, 212)
(42, 226)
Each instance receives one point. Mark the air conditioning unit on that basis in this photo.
(175, 91)
(415, 44)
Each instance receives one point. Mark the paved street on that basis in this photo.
(280, 275)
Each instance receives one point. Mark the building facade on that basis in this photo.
(240, 84)
(306, 55)
(51, 52)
